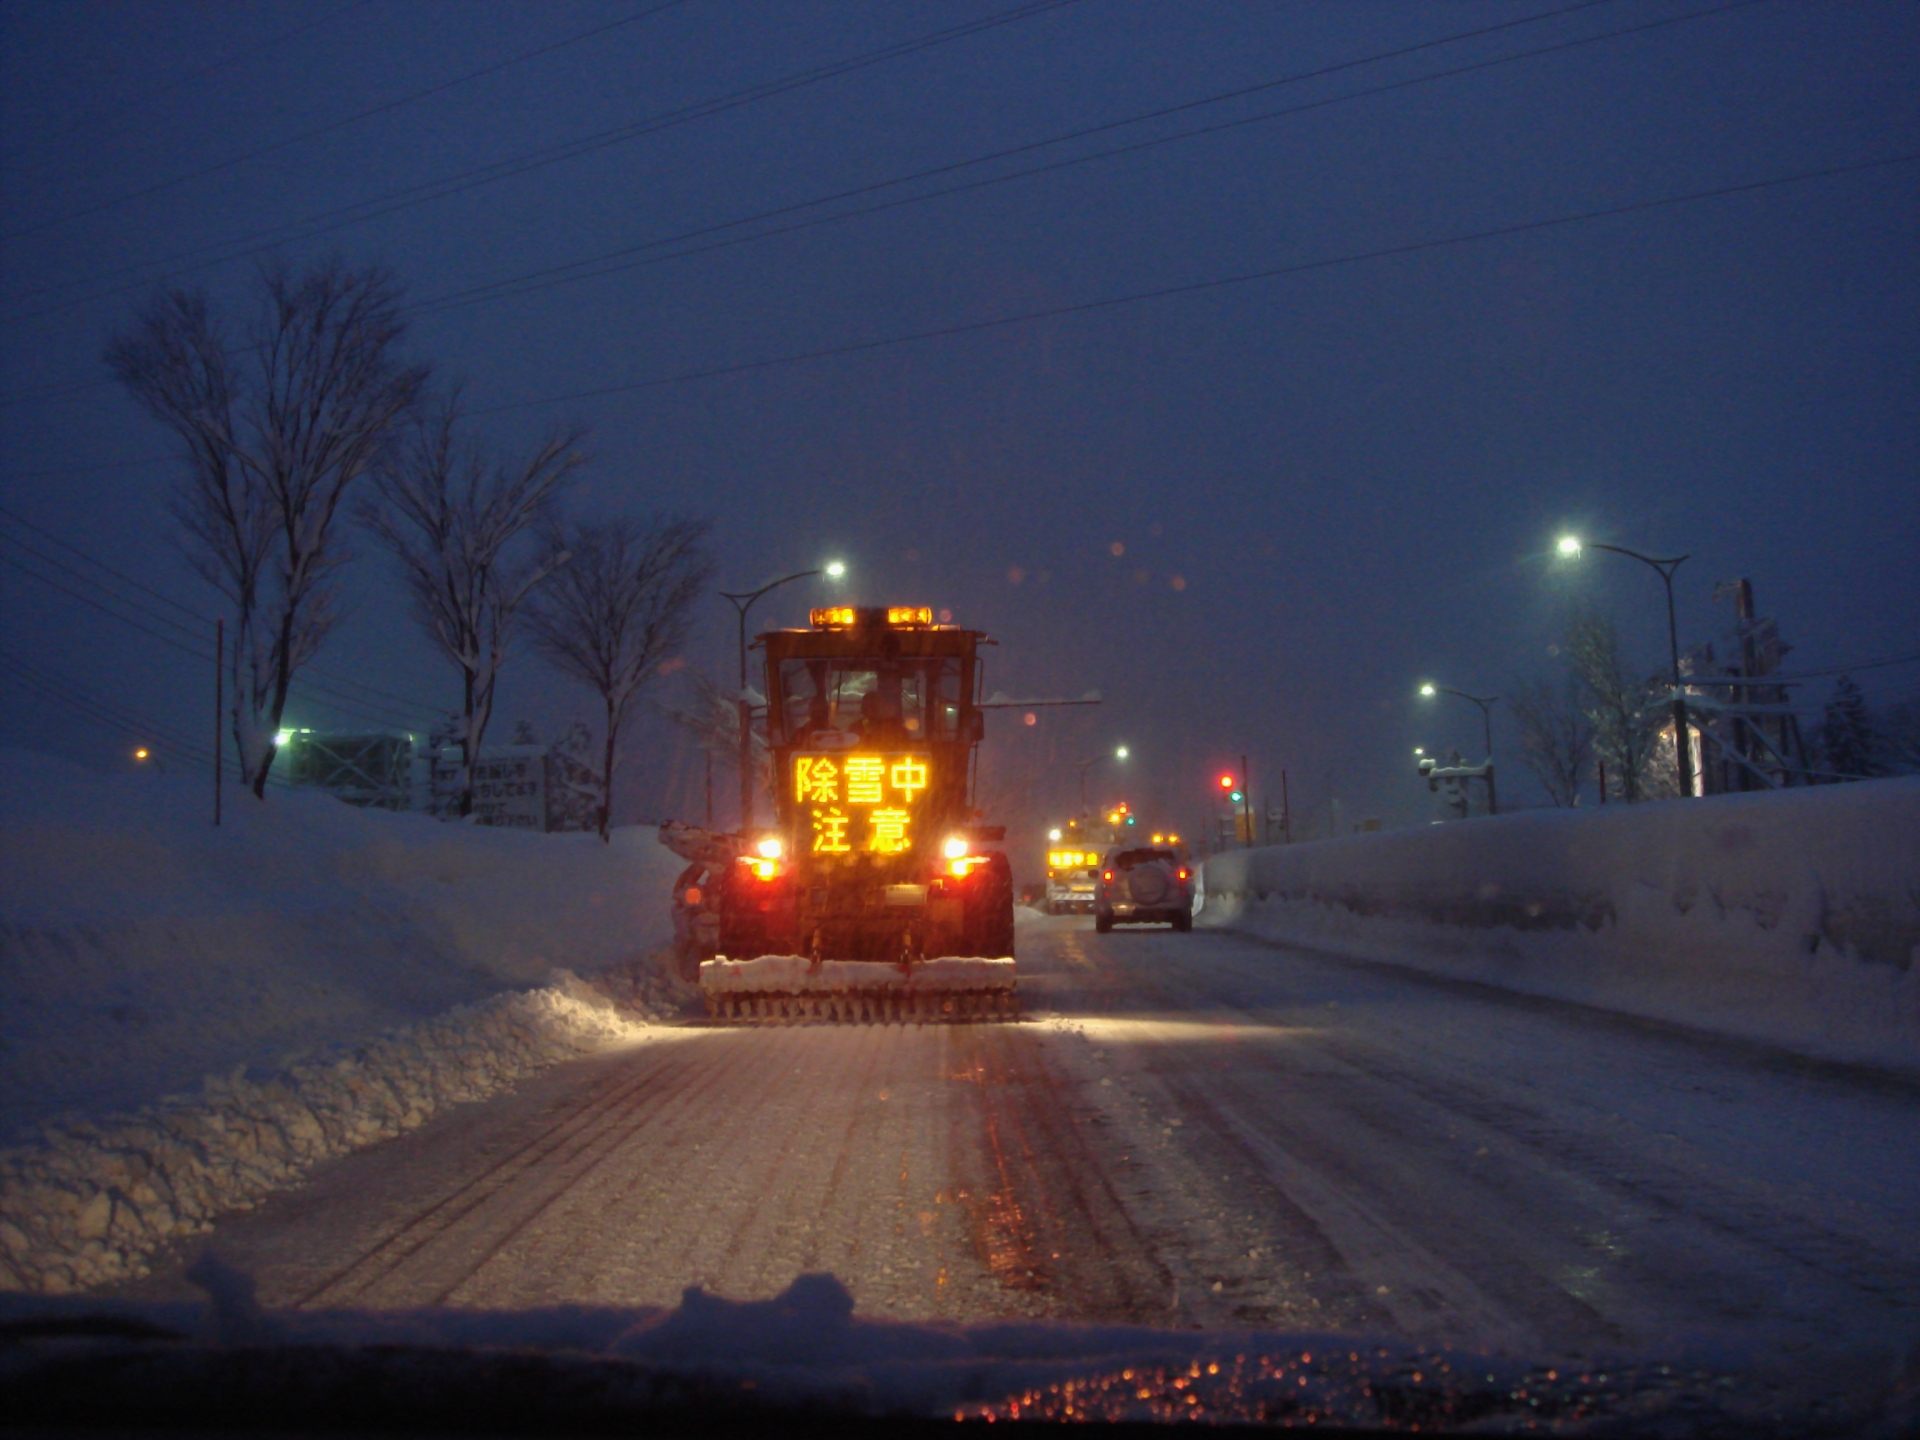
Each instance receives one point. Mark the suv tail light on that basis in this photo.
(1183, 874)
(1106, 874)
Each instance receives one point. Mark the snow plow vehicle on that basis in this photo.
(876, 895)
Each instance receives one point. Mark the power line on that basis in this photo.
(217, 168)
(18, 519)
(79, 698)
(549, 277)
(312, 691)
(415, 705)
(537, 280)
(1195, 287)
(1878, 664)
(1200, 286)
(463, 181)
(199, 74)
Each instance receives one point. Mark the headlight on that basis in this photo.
(956, 848)
(769, 848)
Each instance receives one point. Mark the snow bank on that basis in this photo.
(140, 948)
(340, 974)
(90, 1200)
(1791, 917)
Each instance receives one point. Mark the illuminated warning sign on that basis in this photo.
(860, 802)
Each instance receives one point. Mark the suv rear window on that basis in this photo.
(1127, 859)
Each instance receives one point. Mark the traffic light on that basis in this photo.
(1226, 783)
(1236, 796)
(1130, 820)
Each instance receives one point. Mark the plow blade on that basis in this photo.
(787, 990)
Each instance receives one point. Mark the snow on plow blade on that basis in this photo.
(785, 989)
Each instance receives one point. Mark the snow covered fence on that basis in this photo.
(1790, 917)
(90, 1200)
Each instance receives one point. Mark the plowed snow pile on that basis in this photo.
(191, 1016)
(1790, 917)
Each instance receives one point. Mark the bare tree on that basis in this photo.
(462, 524)
(710, 713)
(1617, 702)
(617, 610)
(275, 433)
(1556, 735)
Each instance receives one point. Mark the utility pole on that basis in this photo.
(219, 704)
(1664, 567)
(742, 601)
(1246, 798)
(1486, 704)
(1749, 662)
(1286, 810)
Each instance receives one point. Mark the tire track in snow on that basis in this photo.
(588, 1132)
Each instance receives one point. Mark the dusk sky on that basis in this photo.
(1255, 515)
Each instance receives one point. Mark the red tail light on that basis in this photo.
(1106, 874)
(1183, 874)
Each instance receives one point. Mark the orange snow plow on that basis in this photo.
(877, 895)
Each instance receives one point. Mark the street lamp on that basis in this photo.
(1083, 766)
(1571, 546)
(743, 601)
(1486, 704)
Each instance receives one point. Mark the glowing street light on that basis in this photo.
(742, 601)
(1083, 766)
(1571, 546)
(1486, 704)
(142, 754)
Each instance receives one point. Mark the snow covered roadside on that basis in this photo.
(191, 1017)
(89, 1200)
(1791, 918)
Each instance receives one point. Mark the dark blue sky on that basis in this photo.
(1328, 485)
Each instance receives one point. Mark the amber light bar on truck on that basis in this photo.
(846, 617)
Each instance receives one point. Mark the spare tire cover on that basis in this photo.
(1147, 885)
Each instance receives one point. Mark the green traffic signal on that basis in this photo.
(1236, 797)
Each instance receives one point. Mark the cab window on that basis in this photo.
(870, 701)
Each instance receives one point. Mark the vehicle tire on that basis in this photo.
(990, 927)
(1102, 921)
(1183, 921)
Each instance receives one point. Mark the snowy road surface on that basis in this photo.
(1192, 1130)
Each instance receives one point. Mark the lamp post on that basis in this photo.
(1571, 546)
(1486, 704)
(1083, 766)
(743, 601)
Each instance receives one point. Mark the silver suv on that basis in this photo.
(1143, 885)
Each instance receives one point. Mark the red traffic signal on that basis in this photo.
(1226, 782)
